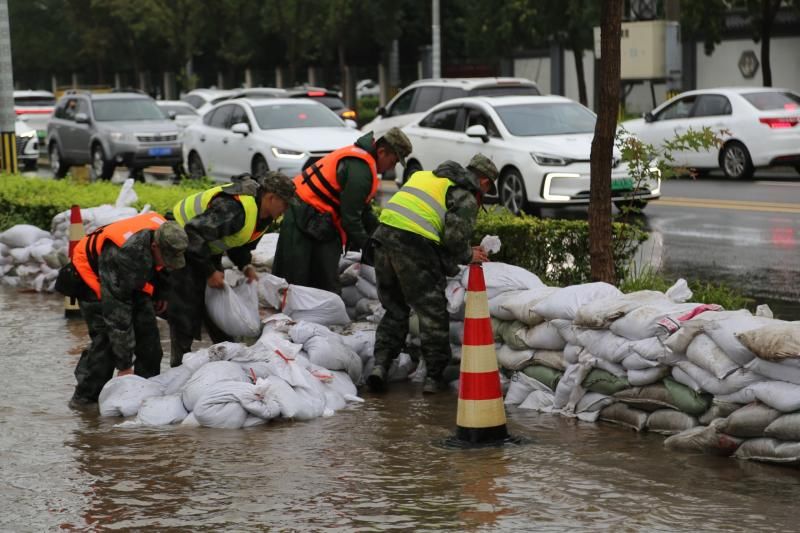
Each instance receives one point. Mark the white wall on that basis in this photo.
(722, 67)
(571, 76)
(535, 69)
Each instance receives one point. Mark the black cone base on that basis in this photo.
(480, 437)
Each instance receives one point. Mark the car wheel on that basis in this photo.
(196, 170)
(512, 191)
(259, 167)
(635, 205)
(736, 162)
(57, 163)
(411, 167)
(136, 174)
(101, 168)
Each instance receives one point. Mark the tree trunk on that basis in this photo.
(769, 9)
(577, 51)
(600, 250)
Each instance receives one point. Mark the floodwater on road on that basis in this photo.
(373, 467)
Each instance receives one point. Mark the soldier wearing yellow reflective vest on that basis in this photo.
(228, 219)
(424, 234)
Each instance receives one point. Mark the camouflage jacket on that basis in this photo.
(459, 221)
(223, 217)
(123, 271)
(355, 179)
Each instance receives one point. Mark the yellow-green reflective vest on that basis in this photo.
(191, 206)
(419, 206)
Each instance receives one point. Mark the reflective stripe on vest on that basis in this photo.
(419, 206)
(193, 205)
(318, 185)
(87, 252)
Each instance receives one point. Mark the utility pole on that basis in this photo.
(8, 139)
(436, 53)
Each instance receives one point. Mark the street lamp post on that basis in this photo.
(436, 53)
(8, 139)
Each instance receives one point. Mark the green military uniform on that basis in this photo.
(311, 257)
(412, 259)
(224, 217)
(122, 325)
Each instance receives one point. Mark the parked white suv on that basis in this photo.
(412, 102)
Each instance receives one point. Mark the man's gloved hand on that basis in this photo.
(250, 273)
(216, 280)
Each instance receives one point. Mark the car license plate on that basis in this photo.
(622, 184)
(159, 151)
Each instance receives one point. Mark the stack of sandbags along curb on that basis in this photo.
(651, 361)
(30, 257)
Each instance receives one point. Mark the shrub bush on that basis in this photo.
(36, 201)
(366, 109)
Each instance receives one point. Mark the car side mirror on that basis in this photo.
(381, 111)
(241, 128)
(81, 118)
(648, 117)
(172, 115)
(351, 123)
(478, 130)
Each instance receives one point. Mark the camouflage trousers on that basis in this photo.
(410, 276)
(186, 312)
(97, 363)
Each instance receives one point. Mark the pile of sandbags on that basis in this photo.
(300, 302)
(231, 385)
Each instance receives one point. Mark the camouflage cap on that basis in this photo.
(277, 183)
(399, 143)
(483, 166)
(172, 242)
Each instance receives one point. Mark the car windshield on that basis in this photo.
(133, 109)
(279, 116)
(34, 101)
(178, 109)
(528, 120)
(773, 100)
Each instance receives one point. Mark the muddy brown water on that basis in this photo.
(368, 468)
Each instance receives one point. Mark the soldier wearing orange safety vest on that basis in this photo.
(332, 209)
(117, 274)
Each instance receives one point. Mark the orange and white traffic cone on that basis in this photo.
(481, 418)
(76, 233)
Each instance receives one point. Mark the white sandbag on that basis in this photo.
(350, 295)
(593, 402)
(651, 349)
(491, 244)
(350, 275)
(703, 352)
(264, 254)
(362, 342)
(341, 383)
(521, 386)
(571, 353)
(498, 308)
(122, 396)
(634, 361)
(718, 410)
(769, 451)
(162, 411)
(601, 312)
(784, 397)
(670, 422)
(550, 358)
(235, 309)
(22, 235)
(569, 390)
(679, 292)
(20, 255)
(314, 305)
(271, 291)
(640, 378)
(723, 333)
(331, 353)
(208, 375)
(520, 307)
(749, 421)
(538, 400)
(603, 344)
(733, 382)
(173, 379)
(786, 427)
(367, 289)
(680, 340)
(253, 421)
(349, 259)
(643, 322)
(261, 400)
(566, 302)
(566, 330)
(544, 336)
(455, 293)
(367, 272)
(612, 368)
(773, 342)
(220, 407)
(194, 360)
(621, 414)
(683, 378)
(502, 277)
(228, 351)
(705, 439)
(513, 359)
(190, 421)
(40, 249)
(778, 371)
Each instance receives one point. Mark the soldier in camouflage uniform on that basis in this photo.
(425, 233)
(333, 208)
(122, 324)
(231, 219)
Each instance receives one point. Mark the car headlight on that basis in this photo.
(28, 134)
(284, 153)
(121, 136)
(550, 160)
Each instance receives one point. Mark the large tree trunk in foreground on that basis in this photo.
(600, 250)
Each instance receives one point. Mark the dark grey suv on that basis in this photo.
(106, 130)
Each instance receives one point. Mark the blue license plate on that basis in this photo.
(159, 151)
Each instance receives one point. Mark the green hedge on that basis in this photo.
(25, 200)
(555, 250)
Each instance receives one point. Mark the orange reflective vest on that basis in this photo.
(319, 187)
(87, 252)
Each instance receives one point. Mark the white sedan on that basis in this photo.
(540, 144)
(258, 135)
(761, 123)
